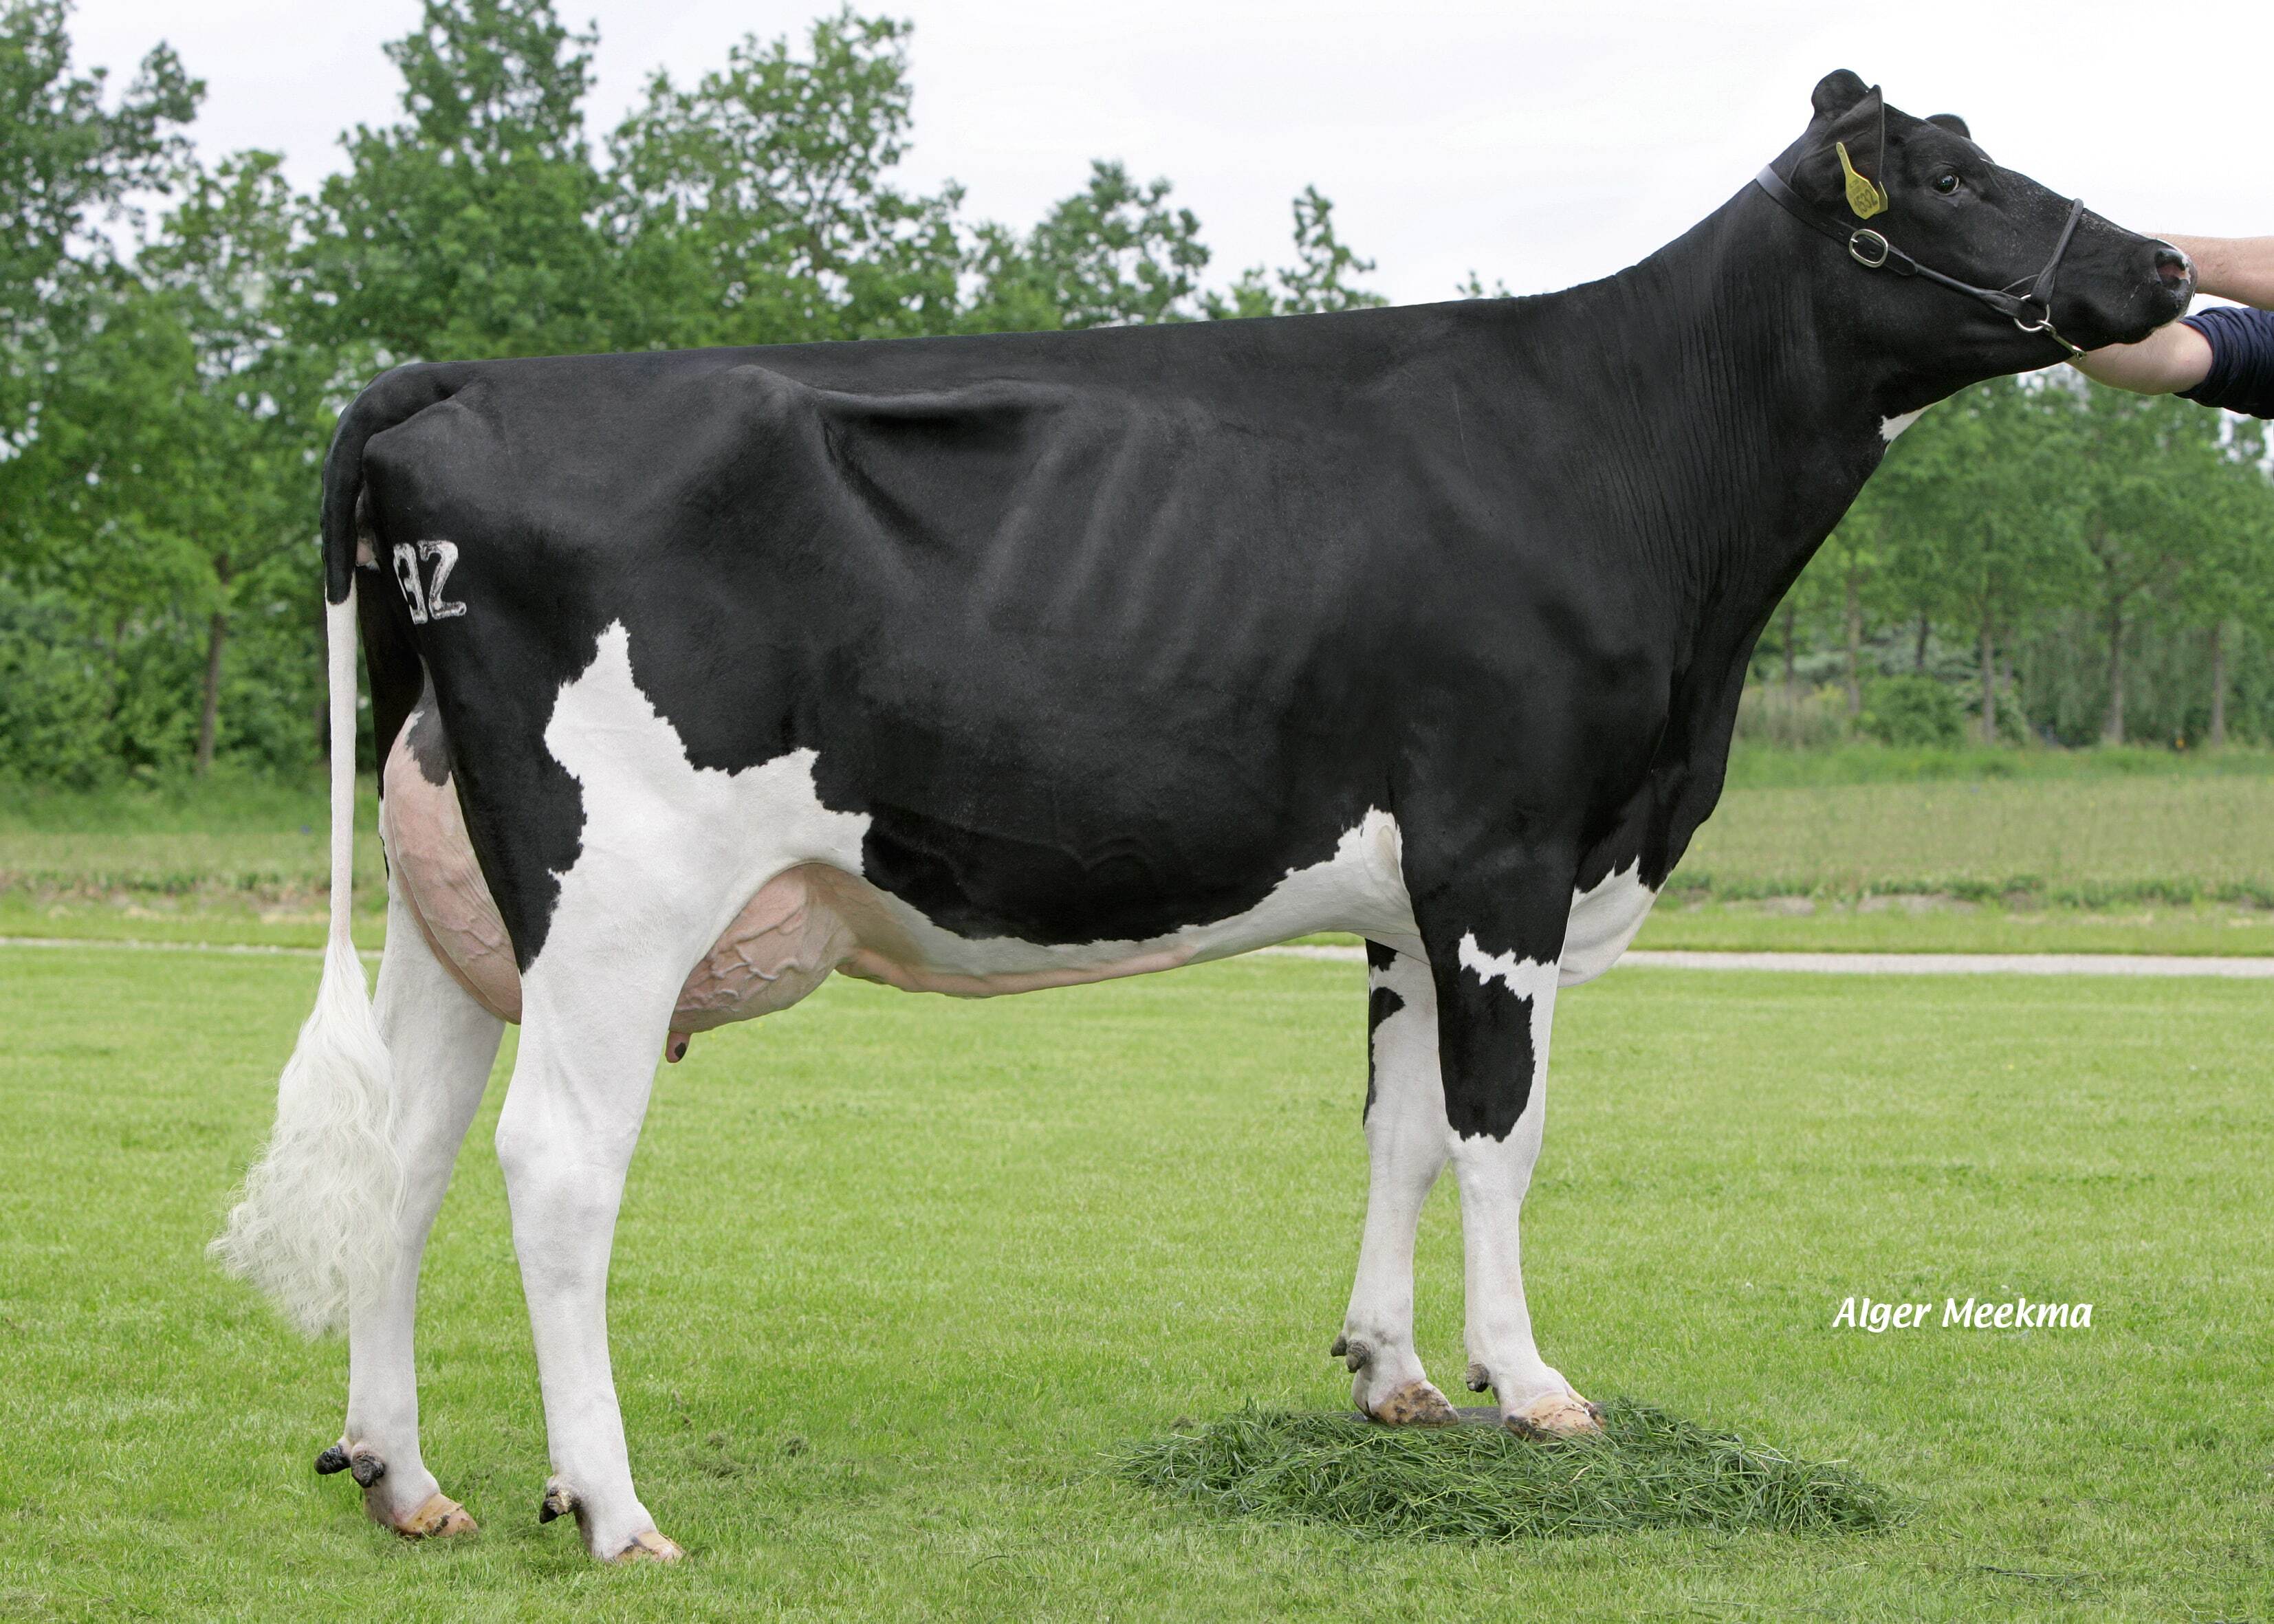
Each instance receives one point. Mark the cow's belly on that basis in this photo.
(812, 917)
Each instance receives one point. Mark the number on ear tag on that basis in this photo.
(1865, 199)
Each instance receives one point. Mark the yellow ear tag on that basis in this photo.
(1863, 199)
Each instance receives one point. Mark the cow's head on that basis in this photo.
(1924, 190)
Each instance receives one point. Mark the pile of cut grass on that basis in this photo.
(1480, 1484)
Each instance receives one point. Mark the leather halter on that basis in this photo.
(2032, 310)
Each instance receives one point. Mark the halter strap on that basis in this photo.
(2031, 311)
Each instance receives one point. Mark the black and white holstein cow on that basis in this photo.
(980, 664)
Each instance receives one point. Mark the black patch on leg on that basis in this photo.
(1380, 1003)
(1484, 1041)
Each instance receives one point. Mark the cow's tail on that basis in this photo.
(317, 1223)
(316, 1226)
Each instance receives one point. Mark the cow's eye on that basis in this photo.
(1946, 182)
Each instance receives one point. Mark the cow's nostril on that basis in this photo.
(2176, 269)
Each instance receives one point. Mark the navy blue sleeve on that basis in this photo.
(2241, 376)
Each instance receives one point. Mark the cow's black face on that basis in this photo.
(1951, 210)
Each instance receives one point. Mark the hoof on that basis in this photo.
(439, 1518)
(1556, 1415)
(332, 1460)
(648, 1548)
(559, 1501)
(1417, 1404)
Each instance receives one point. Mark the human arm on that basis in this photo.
(2173, 358)
(2240, 268)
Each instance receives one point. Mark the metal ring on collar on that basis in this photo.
(1857, 249)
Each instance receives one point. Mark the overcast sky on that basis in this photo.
(1541, 144)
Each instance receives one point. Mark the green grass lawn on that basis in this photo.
(2108, 839)
(1942, 924)
(898, 1278)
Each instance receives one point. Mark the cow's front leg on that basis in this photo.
(1406, 1142)
(440, 1044)
(1493, 941)
(594, 1017)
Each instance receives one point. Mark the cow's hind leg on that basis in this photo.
(441, 1044)
(1406, 1141)
(1494, 936)
(594, 1018)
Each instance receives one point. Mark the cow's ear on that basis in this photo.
(1849, 170)
(1836, 92)
(1863, 128)
(1953, 122)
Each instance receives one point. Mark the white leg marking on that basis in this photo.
(442, 1043)
(1407, 1140)
(1493, 1176)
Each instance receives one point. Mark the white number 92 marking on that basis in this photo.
(425, 601)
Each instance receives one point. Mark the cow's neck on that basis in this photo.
(1775, 424)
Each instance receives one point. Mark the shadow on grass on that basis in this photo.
(1480, 1484)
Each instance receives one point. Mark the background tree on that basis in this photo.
(249, 415)
(1982, 510)
(2143, 469)
(71, 164)
(2223, 579)
(181, 439)
(68, 165)
(1843, 577)
(473, 228)
(1318, 281)
(1113, 254)
(757, 207)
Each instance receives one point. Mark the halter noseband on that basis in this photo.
(2031, 312)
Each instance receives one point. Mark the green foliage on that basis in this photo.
(57, 693)
(1754, 766)
(2075, 555)
(470, 228)
(70, 165)
(1319, 280)
(1769, 713)
(1912, 710)
(69, 162)
(1114, 254)
(1478, 1484)
(757, 207)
